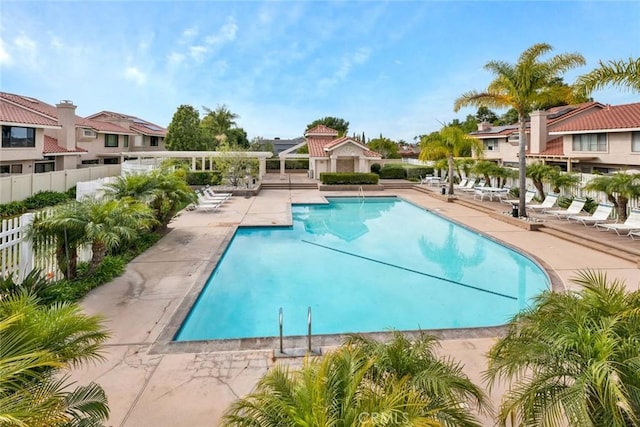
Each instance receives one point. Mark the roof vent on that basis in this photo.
(66, 101)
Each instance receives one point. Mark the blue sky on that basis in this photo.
(386, 67)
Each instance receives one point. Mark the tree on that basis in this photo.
(386, 147)
(341, 125)
(484, 114)
(37, 344)
(469, 125)
(522, 86)
(355, 386)
(218, 123)
(449, 142)
(539, 173)
(560, 180)
(163, 190)
(508, 118)
(237, 137)
(619, 188)
(235, 165)
(573, 358)
(487, 169)
(184, 132)
(625, 74)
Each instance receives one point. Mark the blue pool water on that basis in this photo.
(361, 266)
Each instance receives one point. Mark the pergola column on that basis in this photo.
(282, 168)
(262, 167)
(333, 165)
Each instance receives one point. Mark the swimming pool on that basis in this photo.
(362, 266)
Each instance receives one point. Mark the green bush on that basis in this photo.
(415, 173)
(289, 164)
(375, 168)
(44, 199)
(72, 192)
(12, 209)
(204, 178)
(393, 171)
(331, 178)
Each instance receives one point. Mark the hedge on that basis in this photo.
(393, 171)
(204, 178)
(415, 173)
(299, 164)
(330, 178)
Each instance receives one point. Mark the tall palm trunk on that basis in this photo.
(67, 259)
(450, 160)
(99, 252)
(522, 163)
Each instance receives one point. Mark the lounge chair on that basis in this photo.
(546, 204)
(463, 183)
(601, 214)
(631, 224)
(633, 234)
(574, 209)
(470, 186)
(527, 198)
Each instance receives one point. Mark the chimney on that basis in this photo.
(484, 126)
(277, 138)
(538, 138)
(67, 119)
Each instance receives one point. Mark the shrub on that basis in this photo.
(393, 171)
(289, 164)
(44, 199)
(415, 173)
(204, 178)
(72, 192)
(331, 178)
(564, 202)
(375, 168)
(590, 205)
(12, 209)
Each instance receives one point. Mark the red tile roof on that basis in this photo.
(559, 114)
(321, 130)
(51, 146)
(317, 146)
(609, 118)
(137, 124)
(554, 148)
(12, 113)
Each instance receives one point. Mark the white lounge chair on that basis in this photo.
(470, 187)
(461, 184)
(527, 198)
(574, 209)
(546, 204)
(631, 224)
(601, 214)
(633, 234)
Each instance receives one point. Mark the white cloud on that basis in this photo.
(26, 44)
(346, 64)
(197, 52)
(175, 58)
(134, 74)
(226, 34)
(189, 34)
(362, 55)
(5, 57)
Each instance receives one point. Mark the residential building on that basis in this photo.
(280, 145)
(589, 137)
(330, 153)
(39, 137)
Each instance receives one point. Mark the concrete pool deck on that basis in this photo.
(155, 388)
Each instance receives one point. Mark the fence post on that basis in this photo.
(26, 263)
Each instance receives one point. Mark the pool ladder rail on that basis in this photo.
(295, 352)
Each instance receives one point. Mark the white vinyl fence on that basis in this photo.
(19, 256)
(20, 186)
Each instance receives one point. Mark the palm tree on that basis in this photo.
(217, 122)
(572, 358)
(487, 169)
(539, 172)
(619, 188)
(522, 86)
(449, 142)
(111, 224)
(616, 73)
(164, 190)
(333, 391)
(447, 392)
(560, 180)
(37, 343)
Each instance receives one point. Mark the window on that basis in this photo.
(635, 142)
(18, 137)
(45, 167)
(16, 168)
(590, 142)
(89, 133)
(491, 144)
(110, 140)
(111, 160)
(90, 162)
(125, 141)
(154, 141)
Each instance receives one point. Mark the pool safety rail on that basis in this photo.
(294, 352)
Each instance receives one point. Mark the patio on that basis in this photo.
(155, 388)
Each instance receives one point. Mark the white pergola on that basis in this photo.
(262, 157)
